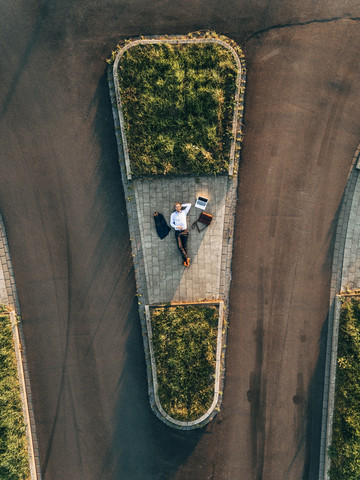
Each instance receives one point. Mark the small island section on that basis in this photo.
(184, 342)
(177, 102)
(345, 448)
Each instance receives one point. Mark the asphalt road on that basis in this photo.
(62, 202)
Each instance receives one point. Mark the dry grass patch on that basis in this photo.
(178, 102)
(14, 460)
(185, 341)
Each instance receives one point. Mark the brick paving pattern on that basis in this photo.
(165, 278)
(8, 294)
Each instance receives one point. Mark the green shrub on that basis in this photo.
(14, 460)
(345, 448)
(178, 107)
(185, 340)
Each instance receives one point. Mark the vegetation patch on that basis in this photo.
(185, 341)
(345, 448)
(14, 460)
(178, 103)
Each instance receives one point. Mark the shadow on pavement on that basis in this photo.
(314, 410)
(316, 388)
(110, 190)
(142, 447)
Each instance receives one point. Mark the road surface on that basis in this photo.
(63, 205)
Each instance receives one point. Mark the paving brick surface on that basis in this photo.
(7, 284)
(165, 278)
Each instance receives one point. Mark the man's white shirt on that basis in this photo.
(178, 219)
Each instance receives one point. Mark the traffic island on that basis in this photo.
(177, 106)
(186, 355)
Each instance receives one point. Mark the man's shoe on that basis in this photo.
(187, 263)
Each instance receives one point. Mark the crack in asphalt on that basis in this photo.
(299, 24)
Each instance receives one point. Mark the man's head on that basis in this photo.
(178, 207)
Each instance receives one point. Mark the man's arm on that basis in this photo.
(187, 207)
(172, 223)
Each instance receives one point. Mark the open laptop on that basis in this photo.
(201, 203)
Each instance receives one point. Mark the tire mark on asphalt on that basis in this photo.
(275, 208)
(257, 392)
(320, 224)
(66, 349)
(299, 401)
(48, 248)
(61, 393)
(336, 111)
(107, 305)
(40, 209)
(343, 89)
(276, 379)
(298, 450)
(285, 329)
(76, 426)
(25, 58)
(58, 302)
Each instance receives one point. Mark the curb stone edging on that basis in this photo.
(334, 318)
(331, 384)
(24, 401)
(207, 416)
(11, 300)
(136, 246)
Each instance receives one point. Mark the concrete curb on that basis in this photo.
(9, 297)
(334, 317)
(24, 401)
(217, 393)
(137, 247)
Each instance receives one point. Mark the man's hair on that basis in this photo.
(177, 203)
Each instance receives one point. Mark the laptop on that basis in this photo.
(201, 203)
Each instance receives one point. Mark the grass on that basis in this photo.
(345, 448)
(14, 460)
(178, 107)
(185, 341)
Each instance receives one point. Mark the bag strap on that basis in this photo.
(195, 224)
(205, 225)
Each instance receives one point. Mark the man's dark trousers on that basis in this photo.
(181, 240)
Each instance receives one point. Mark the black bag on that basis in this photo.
(162, 228)
(205, 219)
